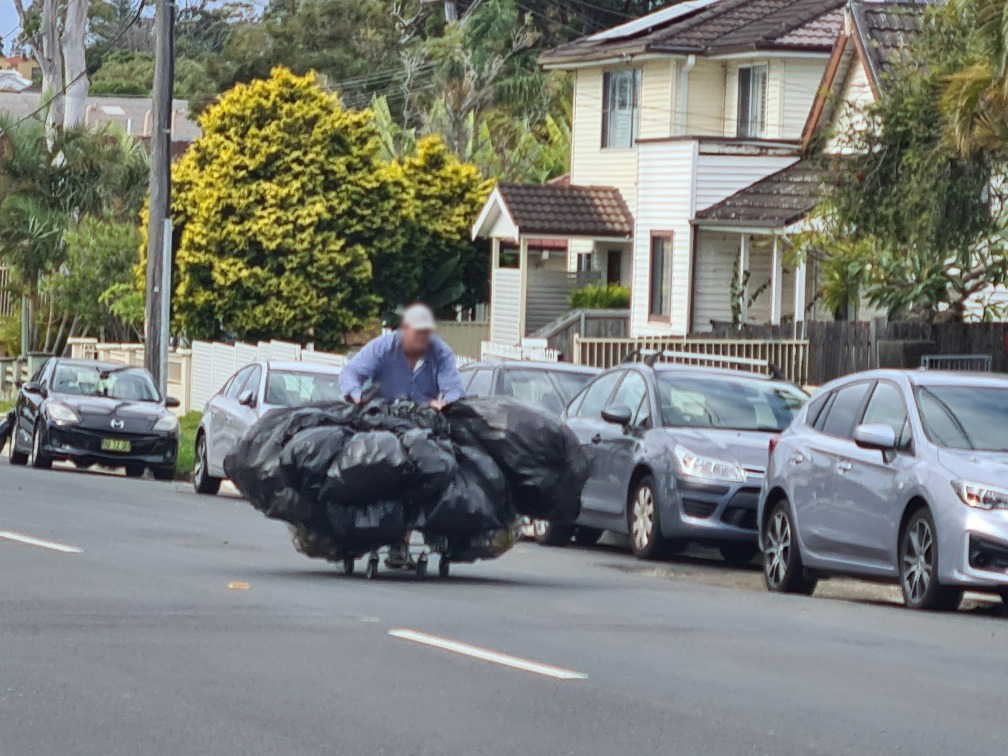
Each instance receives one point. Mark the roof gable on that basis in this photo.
(554, 210)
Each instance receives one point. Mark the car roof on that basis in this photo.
(96, 364)
(302, 367)
(919, 377)
(703, 370)
(558, 367)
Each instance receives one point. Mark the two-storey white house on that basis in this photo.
(673, 113)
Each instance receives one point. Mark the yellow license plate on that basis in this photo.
(116, 445)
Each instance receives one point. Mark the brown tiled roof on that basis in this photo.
(556, 209)
(886, 32)
(778, 200)
(721, 27)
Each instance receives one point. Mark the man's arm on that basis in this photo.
(449, 380)
(361, 368)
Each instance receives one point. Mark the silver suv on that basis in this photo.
(897, 476)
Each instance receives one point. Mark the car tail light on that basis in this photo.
(774, 440)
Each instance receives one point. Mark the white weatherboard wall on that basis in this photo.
(666, 173)
(800, 82)
(590, 162)
(505, 285)
(855, 95)
(705, 113)
(719, 175)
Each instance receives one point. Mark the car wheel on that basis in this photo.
(15, 457)
(550, 534)
(646, 539)
(587, 536)
(203, 482)
(135, 471)
(164, 473)
(738, 554)
(918, 566)
(782, 565)
(39, 458)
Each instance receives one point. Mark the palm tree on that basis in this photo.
(975, 98)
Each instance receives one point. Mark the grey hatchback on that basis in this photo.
(897, 476)
(677, 454)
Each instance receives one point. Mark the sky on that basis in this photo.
(8, 23)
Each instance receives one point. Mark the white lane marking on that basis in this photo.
(485, 654)
(42, 544)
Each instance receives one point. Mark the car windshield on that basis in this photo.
(292, 388)
(726, 402)
(126, 384)
(570, 383)
(965, 417)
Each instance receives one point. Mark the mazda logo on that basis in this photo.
(118, 424)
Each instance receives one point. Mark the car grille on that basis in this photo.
(698, 507)
(88, 440)
(986, 554)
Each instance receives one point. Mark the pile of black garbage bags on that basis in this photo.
(350, 478)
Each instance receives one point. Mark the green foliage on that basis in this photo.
(10, 333)
(130, 73)
(915, 222)
(276, 208)
(600, 297)
(186, 460)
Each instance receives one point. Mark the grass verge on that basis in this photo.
(188, 425)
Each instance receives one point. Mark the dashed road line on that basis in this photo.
(39, 542)
(485, 654)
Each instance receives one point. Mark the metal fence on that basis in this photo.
(970, 363)
(491, 350)
(790, 356)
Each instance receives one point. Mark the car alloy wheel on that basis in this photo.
(918, 559)
(778, 549)
(203, 482)
(782, 564)
(642, 518)
(918, 566)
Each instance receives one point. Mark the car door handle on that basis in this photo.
(843, 467)
(797, 458)
(597, 438)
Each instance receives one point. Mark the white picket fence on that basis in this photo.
(196, 374)
(493, 350)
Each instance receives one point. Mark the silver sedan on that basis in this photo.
(896, 476)
(244, 398)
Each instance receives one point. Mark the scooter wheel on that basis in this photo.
(372, 569)
(444, 566)
(348, 565)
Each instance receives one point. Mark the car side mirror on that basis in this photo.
(34, 387)
(171, 402)
(617, 415)
(875, 436)
(247, 398)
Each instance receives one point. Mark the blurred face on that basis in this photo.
(415, 341)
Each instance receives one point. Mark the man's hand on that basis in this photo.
(438, 404)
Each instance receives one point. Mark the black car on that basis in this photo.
(548, 385)
(94, 413)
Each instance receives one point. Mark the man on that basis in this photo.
(411, 363)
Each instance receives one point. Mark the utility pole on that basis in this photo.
(158, 290)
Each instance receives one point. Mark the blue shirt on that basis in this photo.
(383, 361)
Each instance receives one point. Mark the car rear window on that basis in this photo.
(293, 388)
(533, 387)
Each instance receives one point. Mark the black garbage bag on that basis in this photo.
(433, 464)
(307, 457)
(255, 466)
(475, 501)
(358, 529)
(544, 465)
(372, 465)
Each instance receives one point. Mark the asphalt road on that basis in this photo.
(142, 637)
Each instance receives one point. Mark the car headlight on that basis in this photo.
(698, 466)
(61, 414)
(167, 422)
(980, 495)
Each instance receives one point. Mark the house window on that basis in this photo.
(584, 262)
(620, 107)
(660, 292)
(752, 96)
